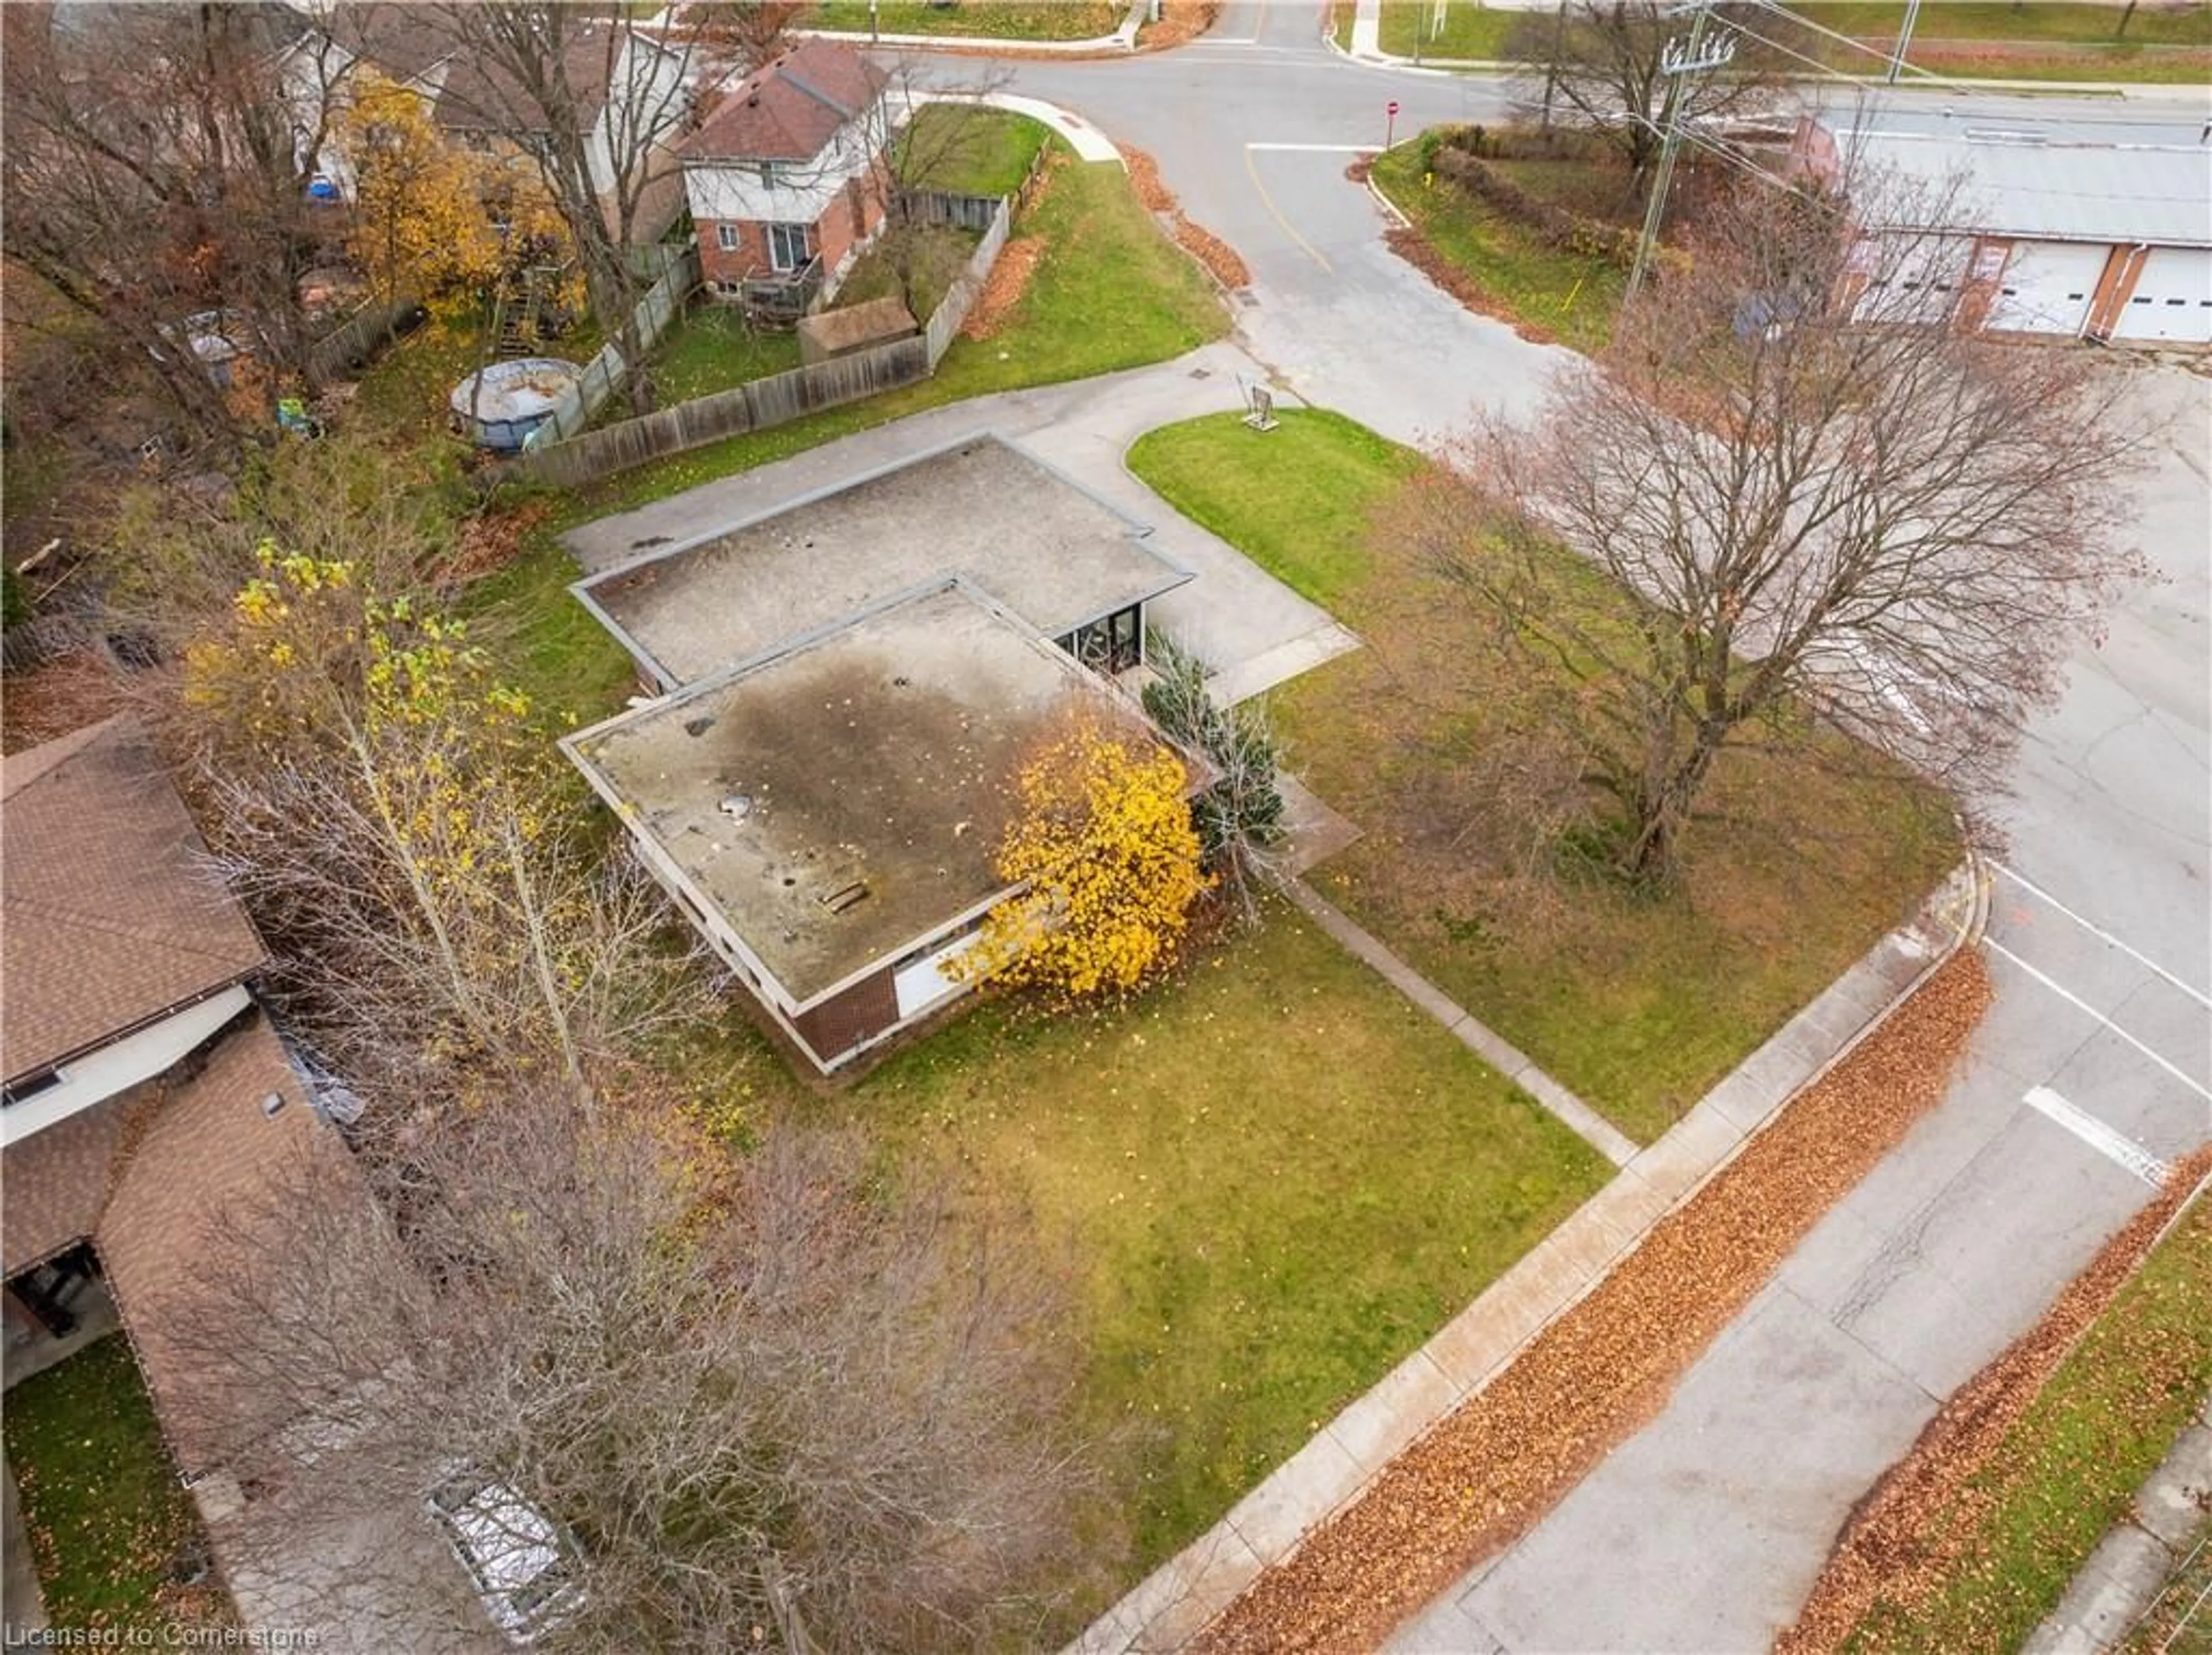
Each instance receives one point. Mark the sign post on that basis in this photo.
(1390, 122)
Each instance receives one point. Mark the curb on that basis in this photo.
(1175, 1604)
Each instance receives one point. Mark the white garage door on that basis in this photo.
(1922, 285)
(2047, 287)
(2173, 298)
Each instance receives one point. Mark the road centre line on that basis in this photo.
(1321, 149)
(2071, 998)
(2105, 1139)
(2101, 934)
(1269, 202)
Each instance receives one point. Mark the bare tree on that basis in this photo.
(778, 1402)
(1601, 64)
(157, 165)
(1239, 814)
(922, 142)
(599, 103)
(1807, 490)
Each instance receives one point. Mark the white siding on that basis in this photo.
(733, 191)
(2173, 299)
(2048, 287)
(925, 982)
(99, 1075)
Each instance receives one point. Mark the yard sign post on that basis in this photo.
(1390, 122)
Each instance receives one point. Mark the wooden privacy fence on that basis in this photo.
(662, 304)
(771, 401)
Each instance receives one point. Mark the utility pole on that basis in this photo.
(1904, 39)
(1678, 61)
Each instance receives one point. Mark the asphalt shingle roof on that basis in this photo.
(789, 108)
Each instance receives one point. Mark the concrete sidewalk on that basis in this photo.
(1181, 1597)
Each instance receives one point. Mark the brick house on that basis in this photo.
(785, 177)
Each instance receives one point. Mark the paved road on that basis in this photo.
(1705, 1530)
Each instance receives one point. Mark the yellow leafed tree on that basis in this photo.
(424, 222)
(1103, 841)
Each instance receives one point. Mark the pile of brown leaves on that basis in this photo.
(1181, 22)
(1418, 251)
(489, 541)
(1008, 280)
(56, 696)
(1210, 250)
(1486, 1473)
(1906, 1533)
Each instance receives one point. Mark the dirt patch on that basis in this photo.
(1009, 280)
(1220, 259)
(1905, 1535)
(1418, 251)
(56, 696)
(491, 540)
(1488, 1472)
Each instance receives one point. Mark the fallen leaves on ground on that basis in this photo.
(1003, 289)
(56, 696)
(1209, 249)
(491, 540)
(1418, 251)
(1181, 22)
(1485, 1473)
(1902, 1540)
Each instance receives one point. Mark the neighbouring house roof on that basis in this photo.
(53, 1185)
(2018, 186)
(790, 106)
(842, 801)
(402, 42)
(480, 96)
(1055, 554)
(111, 919)
(206, 1163)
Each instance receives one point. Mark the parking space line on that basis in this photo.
(2101, 934)
(2100, 1137)
(2073, 998)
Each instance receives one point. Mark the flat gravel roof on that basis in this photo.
(841, 801)
(1054, 554)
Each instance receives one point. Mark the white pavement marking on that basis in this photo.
(1321, 149)
(2099, 1136)
(2073, 998)
(2101, 934)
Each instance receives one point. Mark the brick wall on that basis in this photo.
(852, 217)
(863, 1011)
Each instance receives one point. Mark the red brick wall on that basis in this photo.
(836, 1026)
(852, 216)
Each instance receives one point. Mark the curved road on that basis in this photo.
(1705, 1530)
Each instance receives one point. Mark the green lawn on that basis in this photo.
(1567, 295)
(935, 256)
(2044, 20)
(107, 1519)
(1279, 1179)
(713, 347)
(1470, 31)
(1109, 292)
(970, 150)
(2068, 1469)
(997, 20)
(1639, 1003)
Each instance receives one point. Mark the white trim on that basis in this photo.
(115, 1069)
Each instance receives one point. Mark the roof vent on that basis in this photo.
(846, 898)
(737, 805)
(272, 1104)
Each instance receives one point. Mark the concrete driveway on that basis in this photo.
(1251, 628)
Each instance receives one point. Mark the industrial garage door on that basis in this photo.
(2173, 298)
(2047, 287)
(1923, 285)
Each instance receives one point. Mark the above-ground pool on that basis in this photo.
(517, 397)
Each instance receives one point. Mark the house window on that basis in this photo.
(786, 246)
(726, 237)
(771, 173)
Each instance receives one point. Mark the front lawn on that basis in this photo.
(1279, 1178)
(1638, 1002)
(2068, 1469)
(968, 149)
(1517, 277)
(111, 1531)
(1109, 292)
(994, 20)
(1473, 32)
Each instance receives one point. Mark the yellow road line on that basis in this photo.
(1269, 202)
